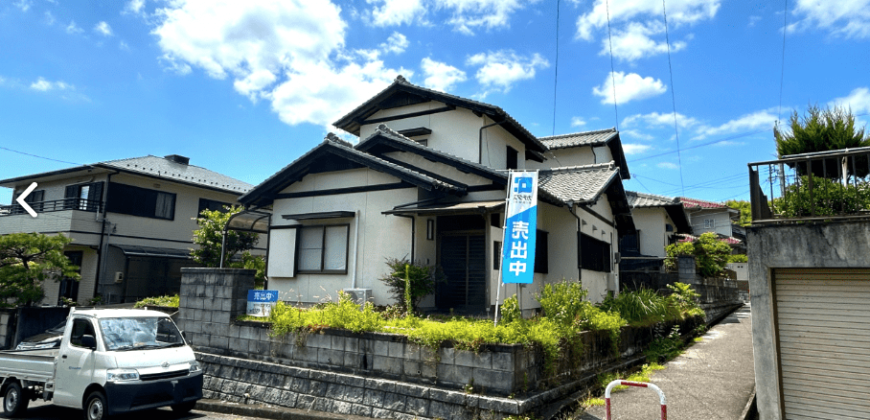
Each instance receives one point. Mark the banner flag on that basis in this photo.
(521, 222)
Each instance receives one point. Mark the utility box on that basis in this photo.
(360, 296)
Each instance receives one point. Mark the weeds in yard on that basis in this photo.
(170, 301)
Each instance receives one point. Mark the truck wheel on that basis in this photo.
(14, 400)
(184, 407)
(95, 406)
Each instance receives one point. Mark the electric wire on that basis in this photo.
(612, 71)
(641, 184)
(709, 143)
(40, 157)
(673, 95)
(782, 68)
(556, 78)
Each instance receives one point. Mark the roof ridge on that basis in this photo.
(579, 133)
(608, 165)
(652, 195)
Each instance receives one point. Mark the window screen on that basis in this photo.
(136, 201)
(323, 249)
(311, 248)
(594, 254)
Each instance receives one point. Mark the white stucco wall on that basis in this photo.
(653, 235)
(380, 236)
(575, 156)
(721, 221)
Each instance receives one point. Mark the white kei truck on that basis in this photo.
(109, 361)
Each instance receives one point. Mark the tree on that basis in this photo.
(710, 254)
(422, 280)
(821, 130)
(745, 211)
(27, 260)
(211, 223)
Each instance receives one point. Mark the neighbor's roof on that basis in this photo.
(353, 120)
(691, 203)
(580, 184)
(156, 167)
(639, 199)
(583, 138)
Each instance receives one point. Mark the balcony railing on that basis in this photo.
(812, 186)
(54, 205)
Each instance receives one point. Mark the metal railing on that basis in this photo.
(54, 205)
(811, 186)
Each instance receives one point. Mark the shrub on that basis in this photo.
(710, 254)
(685, 299)
(510, 310)
(563, 302)
(829, 197)
(738, 258)
(168, 301)
(422, 278)
(641, 307)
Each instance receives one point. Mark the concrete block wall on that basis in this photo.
(210, 300)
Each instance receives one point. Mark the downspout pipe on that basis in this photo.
(480, 140)
(100, 261)
(574, 213)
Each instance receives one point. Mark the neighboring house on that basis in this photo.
(658, 220)
(707, 216)
(131, 222)
(427, 181)
(810, 286)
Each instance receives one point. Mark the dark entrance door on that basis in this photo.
(69, 288)
(462, 255)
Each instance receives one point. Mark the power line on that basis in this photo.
(673, 95)
(612, 71)
(709, 143)
(556, 79)
(782, 69)
(641, 184)
(40, 157)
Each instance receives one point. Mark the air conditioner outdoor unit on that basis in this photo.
(360, 296)
(119, 276)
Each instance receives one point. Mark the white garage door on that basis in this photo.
(823, 317)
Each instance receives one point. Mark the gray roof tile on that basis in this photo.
(585, 138)
(580, 184)
(174, 171)
(638, 199)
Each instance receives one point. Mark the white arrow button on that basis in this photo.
(23, 203)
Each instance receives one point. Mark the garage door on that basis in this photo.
(823, 318)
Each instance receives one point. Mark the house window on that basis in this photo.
(631, 242)
(594, 254)
(211, 205)
(323, 249)
(142, 202)
(708, 223)
(542, 252)
(512, 158)
(69, 288)
(669, 227)
(85, 197)
(496, 255)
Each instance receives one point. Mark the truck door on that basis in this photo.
(75, 366)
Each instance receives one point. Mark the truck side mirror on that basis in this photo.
(88, 341)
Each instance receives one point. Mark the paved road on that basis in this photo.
(712, 380)
(40, 410)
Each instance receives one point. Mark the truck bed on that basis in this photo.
(30, 365)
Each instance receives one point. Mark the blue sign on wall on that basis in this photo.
(261, 302)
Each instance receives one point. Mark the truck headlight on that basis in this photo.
(122, 375)
(195, 367)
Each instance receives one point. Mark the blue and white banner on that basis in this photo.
(261, 302)
(518, 251)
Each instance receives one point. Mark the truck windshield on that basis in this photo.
(139, 333)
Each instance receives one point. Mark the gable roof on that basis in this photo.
(607, 137)
(264, 193)
(386, 138)
(585, 184)
(671, 205)
(157, 167)
(354, 119)
(691, 203)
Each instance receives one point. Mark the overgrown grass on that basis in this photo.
(169, 301)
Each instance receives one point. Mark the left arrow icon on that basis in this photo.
(23, 203)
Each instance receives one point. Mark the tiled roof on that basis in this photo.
(691, 203)
(638, 199)
(585, 138)
(174, 171)
(579, 184)
(730, 240)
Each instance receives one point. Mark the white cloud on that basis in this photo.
(635, 134)
(858, 101)
(123, 45)
(577, 122)
(754, 121)
(290, 53)
(440, 76)
(754, 19)
(103, 29)
(396, 44)
(134, 6)
(24, 5)
(654, 119)
(668, 165)
(634, 148)
(466, 16)
(49, 18)
(72, 28)
(629, 87)
(635, 42)
(848, 18)
(43, 85)
(499, 70)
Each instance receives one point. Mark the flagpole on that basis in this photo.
(501, 253)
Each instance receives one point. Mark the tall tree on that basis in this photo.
(211, 223)
(745, 210)
(821, 130)
(27, 260)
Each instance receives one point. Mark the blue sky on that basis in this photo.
(244, 88)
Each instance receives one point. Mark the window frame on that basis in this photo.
(709, 223)
(300, 270)
(542, 252)
(74, 202)
(512, 154)
(200, 207)
(113, 196)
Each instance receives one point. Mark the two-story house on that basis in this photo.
(130, 221)
(427, 181)
(707, 216)
(658, 220)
